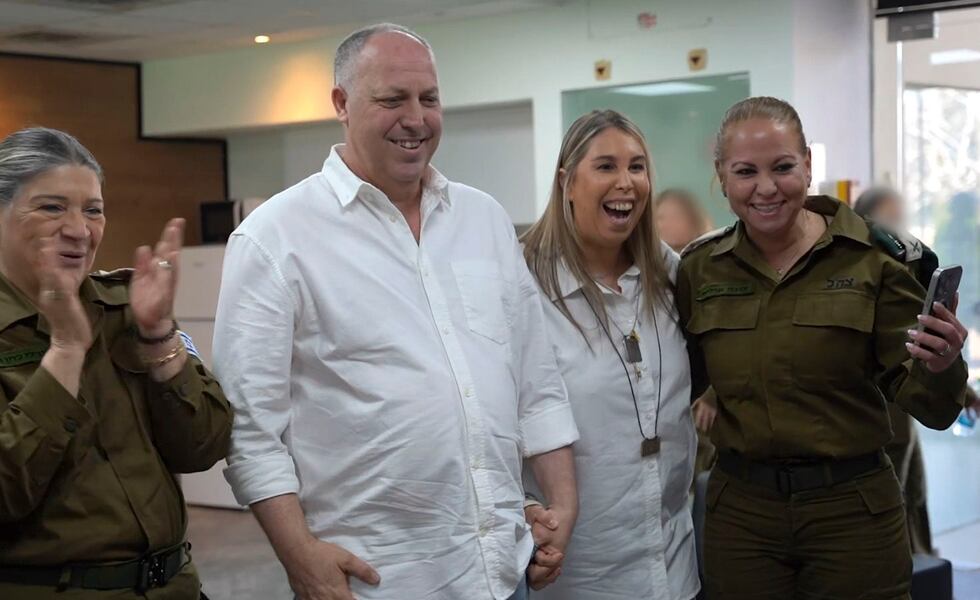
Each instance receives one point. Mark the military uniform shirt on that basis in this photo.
(803, 366)
(89, 479)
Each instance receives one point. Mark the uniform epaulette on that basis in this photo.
(899, 245)
(906, 248)
(704, 239)
(123, 275)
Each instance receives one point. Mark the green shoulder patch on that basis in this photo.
(713, 290)
(23, 356)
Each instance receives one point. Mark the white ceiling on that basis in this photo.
(137, 30)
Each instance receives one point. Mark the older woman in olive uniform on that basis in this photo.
(99, 401)
(801, 322)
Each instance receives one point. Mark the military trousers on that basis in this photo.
(185, 585)
(844, 542)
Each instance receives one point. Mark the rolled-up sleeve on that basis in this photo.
(545, 416)
(253, 341)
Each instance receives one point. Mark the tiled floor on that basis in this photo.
(236, 561)
(962, 547)
(233, 556)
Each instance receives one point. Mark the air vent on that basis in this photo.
(59, 38)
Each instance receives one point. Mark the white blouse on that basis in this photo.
(634, 538)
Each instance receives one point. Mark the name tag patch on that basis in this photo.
(23, 356)
(713, 290)
(840, 284)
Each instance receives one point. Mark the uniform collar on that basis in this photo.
(568, 284)
(349, 187)
(15, 306)
(841, 222)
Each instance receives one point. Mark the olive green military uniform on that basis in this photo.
(803, 502)
(89, 480)
(905, 452)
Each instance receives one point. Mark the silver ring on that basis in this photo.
(51, 294)
(945, 352)
(165, 264)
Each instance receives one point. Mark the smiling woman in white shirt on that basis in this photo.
(596, 256)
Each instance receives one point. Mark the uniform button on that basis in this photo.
(469, 392)
(169, 396)
(71, 425)
(184, 389)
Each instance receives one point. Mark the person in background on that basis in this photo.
(883, 205)
(611, 319)
(102, 399)
(804, 324)
(886, 206)
(384, 346)
(680, 220)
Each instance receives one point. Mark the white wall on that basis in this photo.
(831, 82)
(490, 148)
(887, 82)
(532, 56)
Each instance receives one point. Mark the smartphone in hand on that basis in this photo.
(942, 289)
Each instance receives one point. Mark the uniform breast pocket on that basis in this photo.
(832, 333)
(726, 328)
(482, 290)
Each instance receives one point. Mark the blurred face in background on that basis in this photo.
(675, 223)
(890, 212)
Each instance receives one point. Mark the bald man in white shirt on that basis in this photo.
(383, 345)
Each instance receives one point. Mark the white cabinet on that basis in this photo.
(194, 308)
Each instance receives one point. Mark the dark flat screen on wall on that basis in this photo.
(892, 7)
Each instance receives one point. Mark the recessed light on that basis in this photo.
(261, 39)
(952, 57)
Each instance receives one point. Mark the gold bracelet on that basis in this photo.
(159, 362)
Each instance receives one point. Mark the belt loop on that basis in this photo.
(64, 580)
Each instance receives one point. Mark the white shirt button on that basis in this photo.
(484, 530)
(392, 218)
(445, 331)
(468, 392)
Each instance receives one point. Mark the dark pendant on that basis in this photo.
(650, 447)
(633, 354)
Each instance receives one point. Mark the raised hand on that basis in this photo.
(154, 283)
(58, 300)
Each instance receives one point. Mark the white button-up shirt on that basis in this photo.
(634, 537)
(394, 385)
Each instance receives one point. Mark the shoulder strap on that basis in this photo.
(704, 239)
(906, 248)
(121, 275)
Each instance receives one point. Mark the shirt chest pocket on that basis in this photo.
(831, 337)
(726, 328)
(482, 290)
